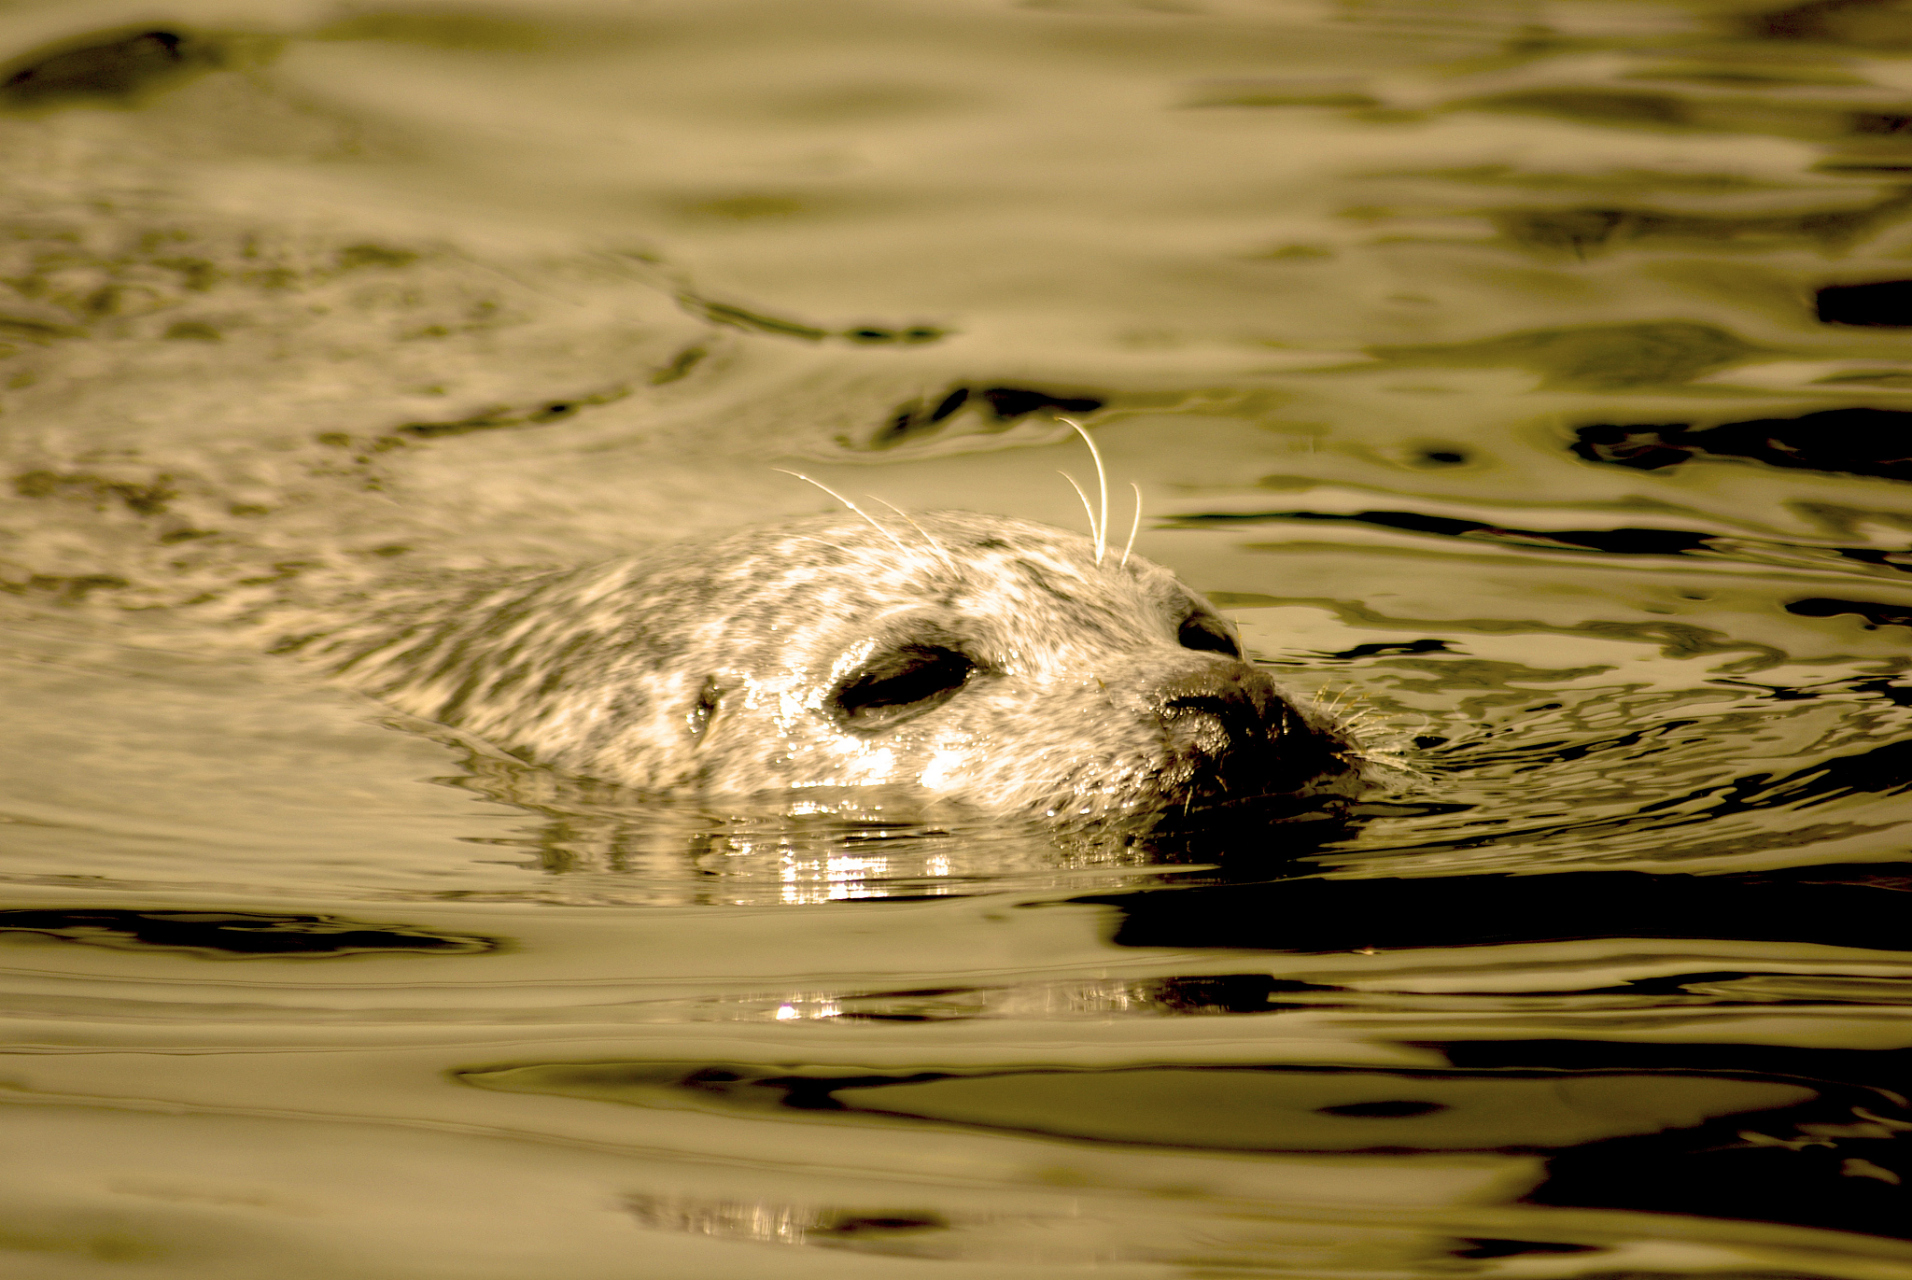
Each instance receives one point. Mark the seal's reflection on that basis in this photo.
(851, 843)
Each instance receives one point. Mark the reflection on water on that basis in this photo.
(1525, 377)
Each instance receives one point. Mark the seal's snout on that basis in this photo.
(1240, 738)
(1225, 706)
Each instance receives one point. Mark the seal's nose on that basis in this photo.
(1224, 706)
(1231, 723)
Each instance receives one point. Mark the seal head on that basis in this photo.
(988, 661)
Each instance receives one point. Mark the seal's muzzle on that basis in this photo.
(1242, 742)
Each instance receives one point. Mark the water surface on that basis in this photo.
(1525, 378)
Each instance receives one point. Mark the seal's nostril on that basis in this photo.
(1232, 691)
(1216, 723)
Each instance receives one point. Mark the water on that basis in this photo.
(1494, 365)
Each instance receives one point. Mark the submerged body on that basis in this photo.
(998, 663)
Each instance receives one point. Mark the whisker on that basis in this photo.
(1135, 526)
(851, 505)
(1085, 503)
(1101, 522)
(934, 545)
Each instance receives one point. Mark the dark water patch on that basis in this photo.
(39, 332)
(679, 366)
(1886, 688)
(1251, 1108)
(1000, 408)
(1389, 649)
(68, 588)
(1879, 304)
(539, 414)
(1595, 357)
(1876, 24)
(1786, 1169)
(1880, 770)
(1839, 1158)
(1823, 1068)
(1853, 441)
(1863, 164)
(1897, 694)
(1900, 560)
(1876, 615)
(354, 256)
(1487, 1247)
(150, 498)
(1622, 541)
(233, 934)
(1009, 403)
(864, 1225)
(753, 321)
(910, 335)
(1644, 446)
(1398, 1109)
(1766, 74)
(1591, 105)
(1583, 231)
(1793, 117)
(1613, 179)
(734, 317)
(113, 66)
(1849, 906)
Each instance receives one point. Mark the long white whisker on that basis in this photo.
(851, 505)
(934, 545)
(1085, 503)
(1101, 522)
(1135, 526)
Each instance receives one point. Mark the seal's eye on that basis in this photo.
(1206, 633)
(900, 684)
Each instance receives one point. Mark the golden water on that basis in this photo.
(1422, 327)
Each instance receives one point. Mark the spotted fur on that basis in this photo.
(1067, 688)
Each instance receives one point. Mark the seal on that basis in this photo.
(1007, 666)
